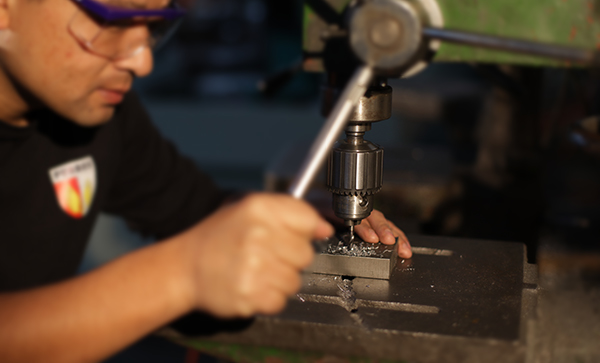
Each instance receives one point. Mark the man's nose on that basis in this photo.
(139, 64)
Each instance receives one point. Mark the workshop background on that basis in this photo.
(472, 150)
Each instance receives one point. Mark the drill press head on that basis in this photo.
(355, 167)
(384, 36)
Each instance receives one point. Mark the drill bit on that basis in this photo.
(351, 233)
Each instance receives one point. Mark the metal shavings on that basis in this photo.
(346, 291)
(355, 249)
(348, 300)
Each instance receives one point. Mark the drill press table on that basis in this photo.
(455, 300)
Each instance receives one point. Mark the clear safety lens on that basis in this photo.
(117, 40)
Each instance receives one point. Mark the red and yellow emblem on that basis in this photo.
(75, 184)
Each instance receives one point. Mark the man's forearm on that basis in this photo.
(244, 259)
(92, 316)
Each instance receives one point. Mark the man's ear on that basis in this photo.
(4, 17)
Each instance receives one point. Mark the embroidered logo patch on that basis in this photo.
(75, 184)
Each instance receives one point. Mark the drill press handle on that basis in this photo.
(336, 121)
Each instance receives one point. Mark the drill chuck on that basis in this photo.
(354, 174)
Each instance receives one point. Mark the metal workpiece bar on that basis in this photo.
(356, 258)
(336, 121)
(552, 51)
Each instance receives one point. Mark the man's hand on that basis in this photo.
(377, 228)
(247, 257)
(244, 259)
(372, 229)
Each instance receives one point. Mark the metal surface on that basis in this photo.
(334, 125)
(582, 56)
(354, 174)
(356, 259)
(352, 208)
(456, 300)
(375, 105)
(355, 169)
(385, 34)
(431, 16)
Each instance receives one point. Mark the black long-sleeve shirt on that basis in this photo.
(55, 177)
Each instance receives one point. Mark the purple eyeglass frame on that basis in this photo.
(112, 13)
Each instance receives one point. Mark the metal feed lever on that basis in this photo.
(336, 121)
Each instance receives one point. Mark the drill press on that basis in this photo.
(381, 39)
(361, 46)
(384, 36)
(456, 300)
(355, 166)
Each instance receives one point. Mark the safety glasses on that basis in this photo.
(118, 32)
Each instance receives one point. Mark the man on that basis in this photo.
(74, 142)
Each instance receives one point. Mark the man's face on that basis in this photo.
(44, 59)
